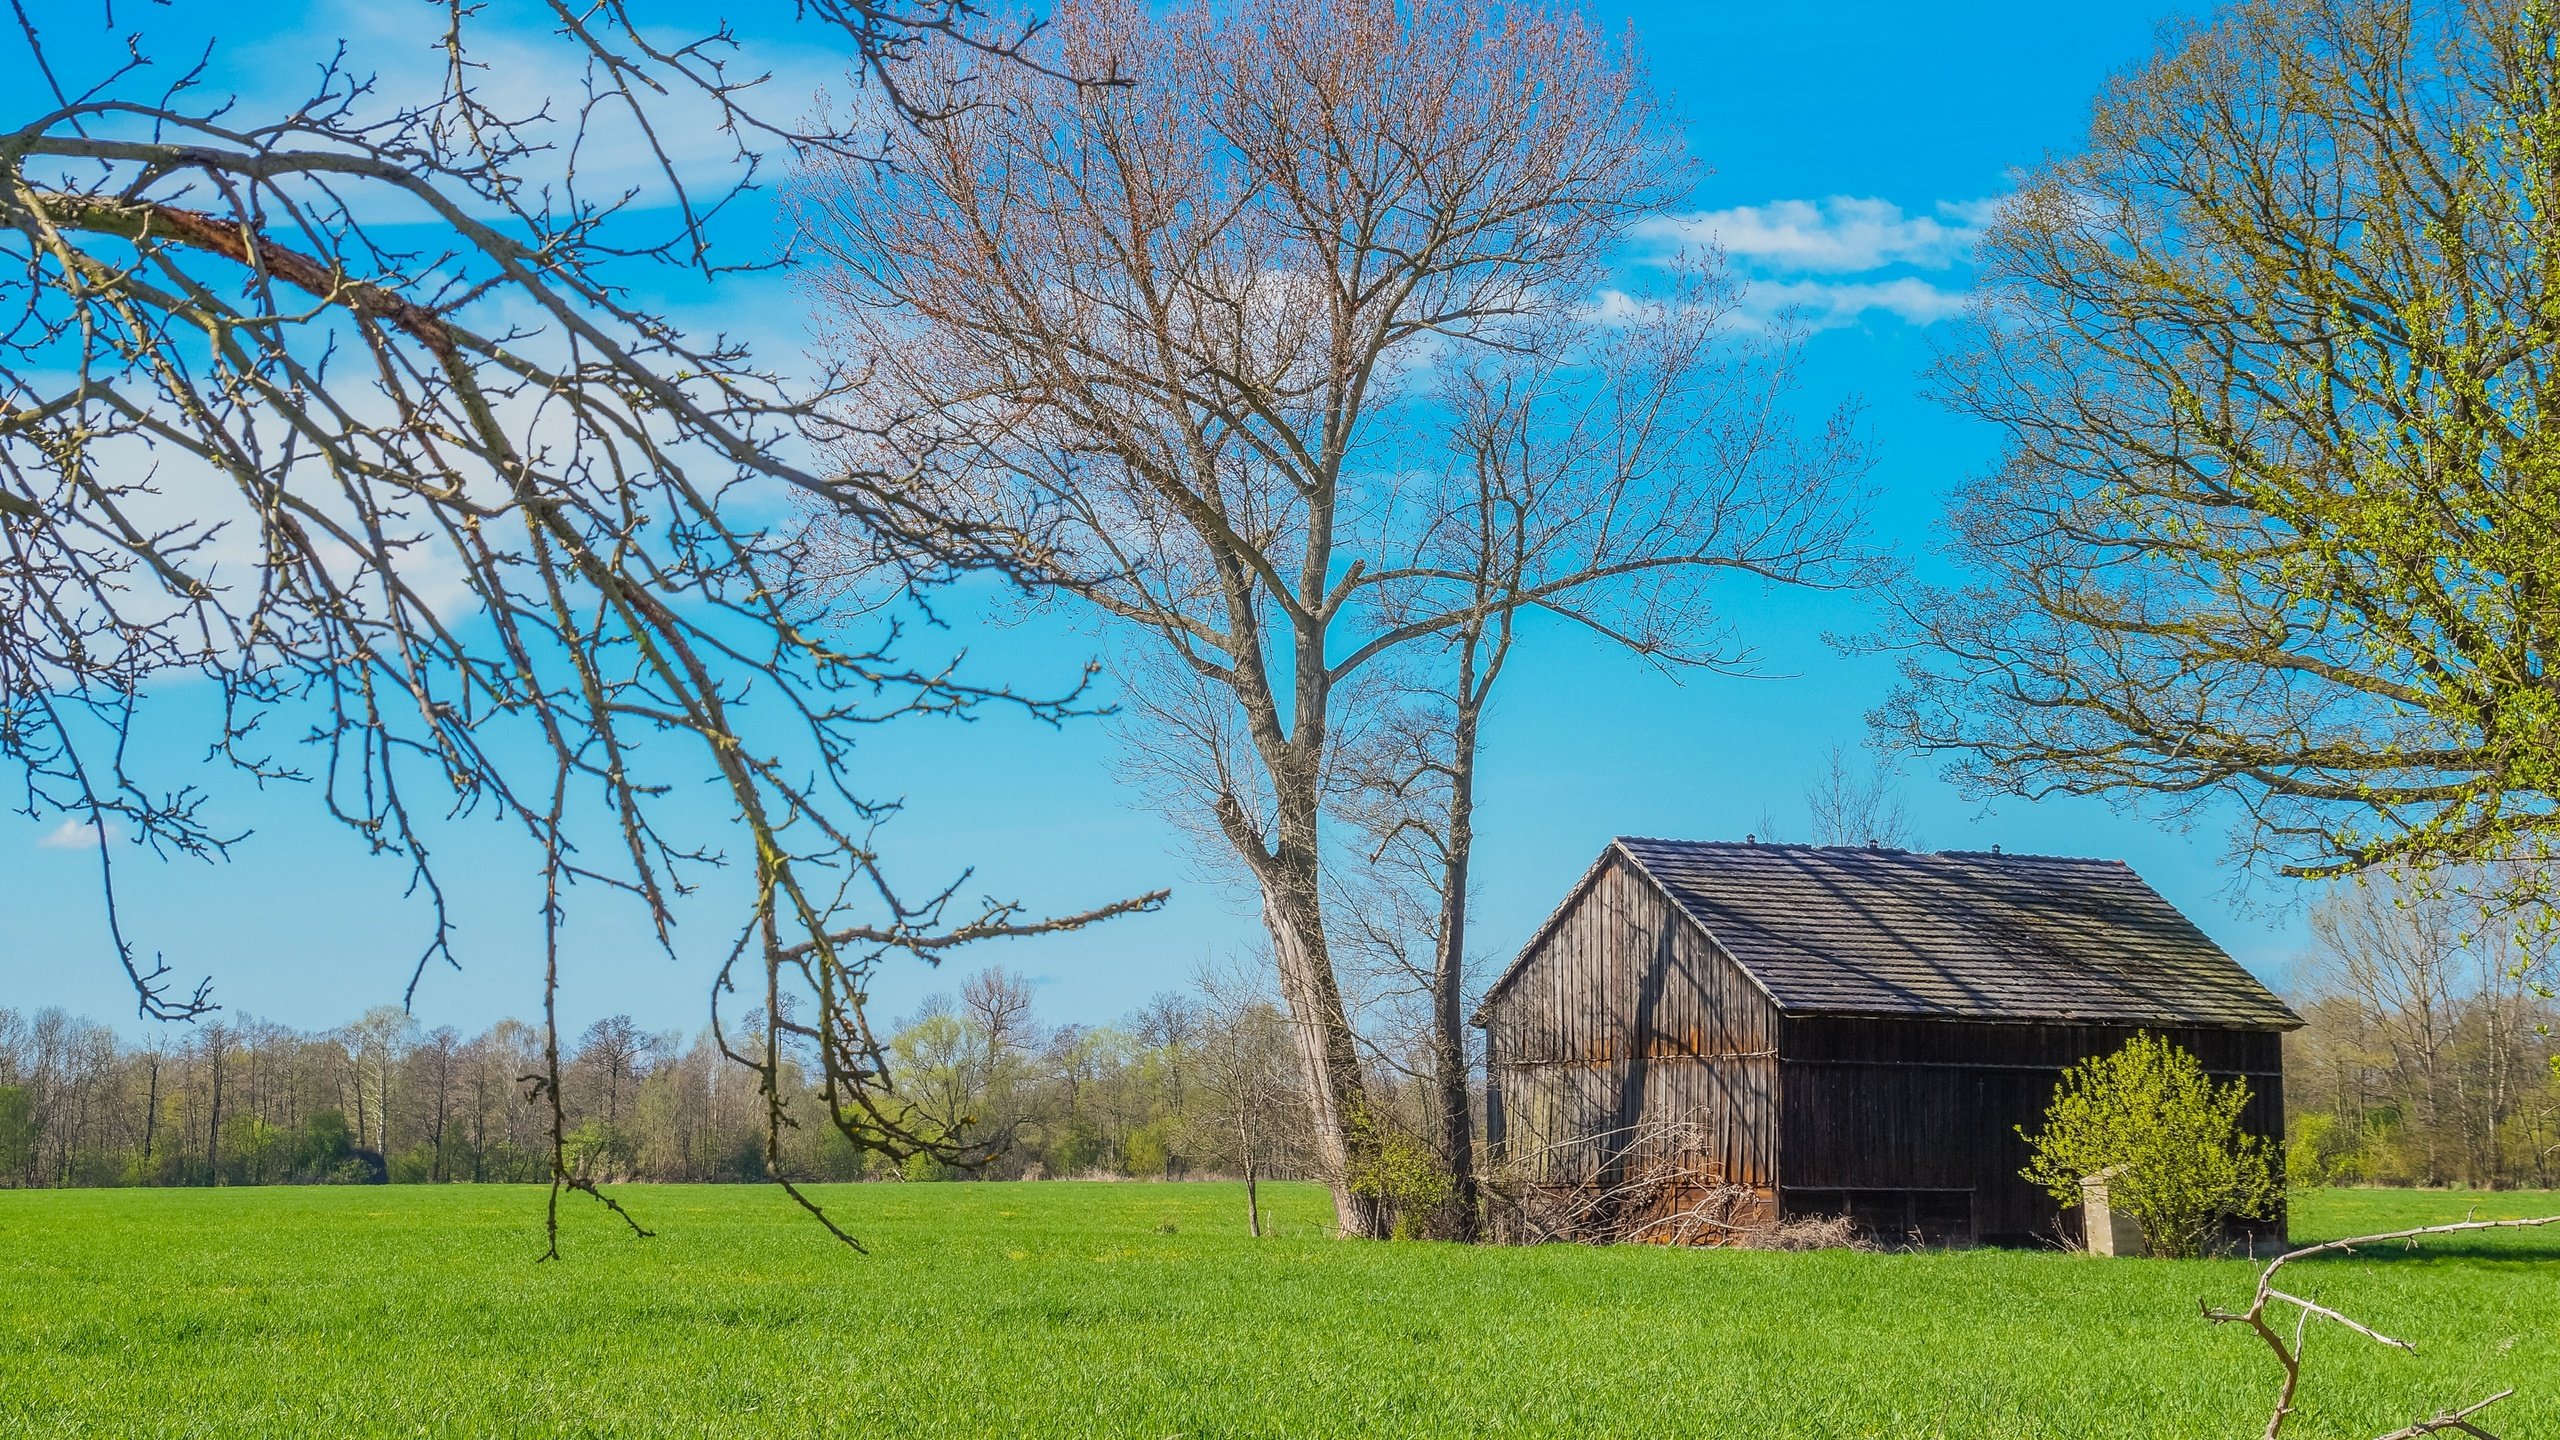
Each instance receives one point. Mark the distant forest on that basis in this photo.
(1185, 1085)
(2427, 1056)
(2426, 1059)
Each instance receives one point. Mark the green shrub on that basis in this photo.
(252, 1150)
(1079, 1149)
(2322, 1152)
(1145, 1154)
(325, 1146)
(1402, 1174)
(2170, 1133)
(597, 1151)
(17, 1131)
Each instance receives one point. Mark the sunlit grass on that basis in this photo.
(1144, 1310)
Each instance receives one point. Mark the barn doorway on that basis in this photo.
(1939, 1218)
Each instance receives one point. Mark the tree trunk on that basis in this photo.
(1252, 1199)
(1448, 971)
(213, 1132)
(1322, 1028)
(1287, 867)
(444, 1087)
(151, 1119)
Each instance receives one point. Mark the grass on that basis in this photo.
(1142, 1310)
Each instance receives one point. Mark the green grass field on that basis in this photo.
(1142, 1310)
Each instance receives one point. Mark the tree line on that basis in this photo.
(2427, 1057)
(1188, 1084)
(2427, 1053)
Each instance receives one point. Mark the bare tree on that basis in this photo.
(1245, 1069)
(1168, 333)
(214, 1043)
(2398, 951)
(1610, 468)
(348, 403)
(1850, 806)
(439, 1056)
(997, 1005)
(613, 1053)
(998, 1002)
(376, 1043)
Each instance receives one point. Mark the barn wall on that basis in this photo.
(1624, 1021)
(1874, 1105)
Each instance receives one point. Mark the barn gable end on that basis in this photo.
(1621, 1019)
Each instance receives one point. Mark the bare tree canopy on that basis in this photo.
(354, 405)
(1557, 460)
(1854, 806)
(1172, 334)
(2280, 515)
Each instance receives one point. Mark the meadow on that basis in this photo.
(1144, 1310)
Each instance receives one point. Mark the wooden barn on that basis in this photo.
(1850, 1031)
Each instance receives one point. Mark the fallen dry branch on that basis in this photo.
(2289, 1354)
(2452, 1420)
(1805, 1232)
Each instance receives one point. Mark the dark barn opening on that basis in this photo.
(1854, 1032)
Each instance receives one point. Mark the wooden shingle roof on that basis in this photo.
(1961, 934)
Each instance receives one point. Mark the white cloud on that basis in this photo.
(1617, 307)
(1840, 235)
(1823, 304)
(1830, 262)
(77, 834)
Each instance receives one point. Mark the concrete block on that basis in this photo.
(2110, 1231)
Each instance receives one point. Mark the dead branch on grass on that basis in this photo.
(2289, 1354)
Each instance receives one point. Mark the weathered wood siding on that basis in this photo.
(1625, 1021)
(1873, 1107)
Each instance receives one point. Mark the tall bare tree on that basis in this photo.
(2281, 502)
(1168, 333)
(2400, 953)
(1613, 469)
(352, 405)
(1850, 804)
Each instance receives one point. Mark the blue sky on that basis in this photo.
(1848, 151)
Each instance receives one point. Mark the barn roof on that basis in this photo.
(1961, 934)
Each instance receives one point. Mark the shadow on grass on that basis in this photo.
(2474, 1247)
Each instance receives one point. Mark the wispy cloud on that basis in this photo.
(77, 834)
(1822, 304)
(1831, 261)
(1841, 235)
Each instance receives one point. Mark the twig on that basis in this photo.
(2452, 1420)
